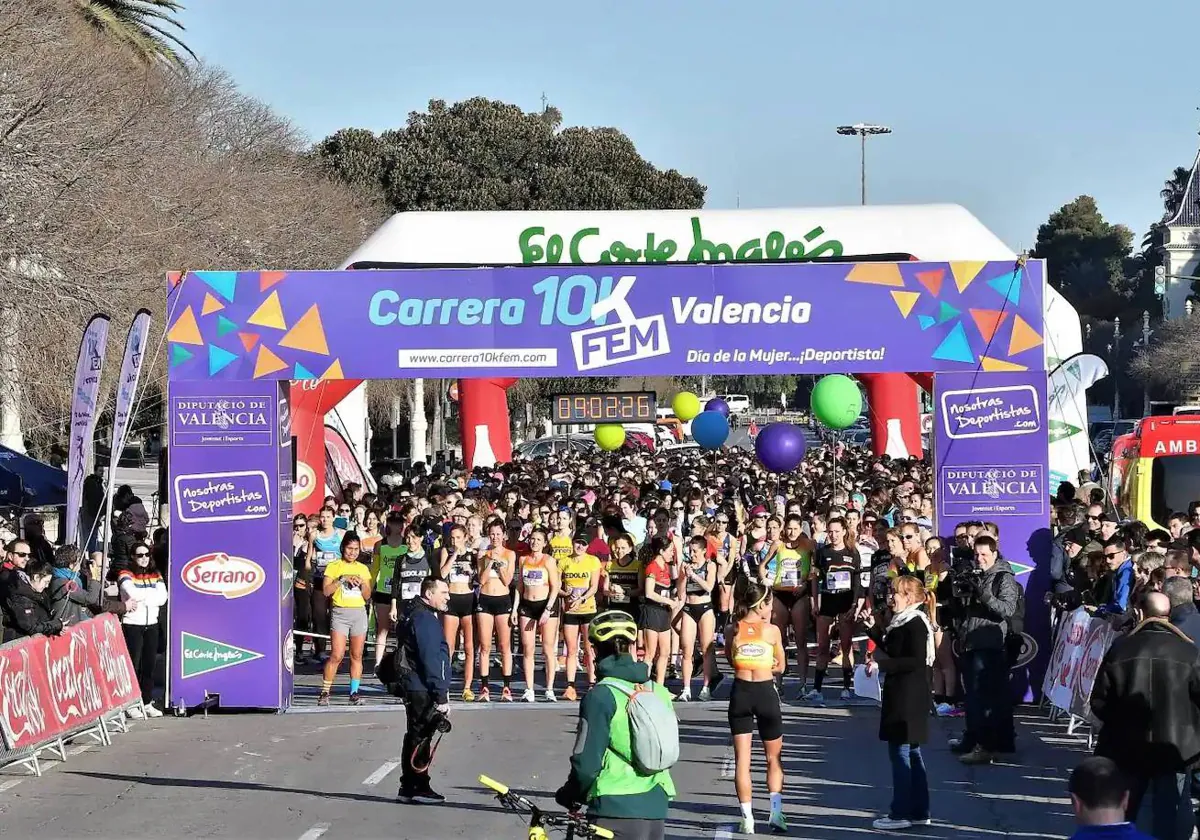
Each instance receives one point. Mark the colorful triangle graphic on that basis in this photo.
(965, 271)
(1023, 337)
(174, 278)
(955, 347)
(185, 330)
(223, 283)
(267, 362)
(926, 321)
(1060, 430)
(225, 326)
(211, 304)
(334, 371)
(179, 355)
(248, 340)
(301, 372)
(307, 334)
(932, 280)
(906, 301)
(269, 314)
(877, 274)
(218, 359)
(999, 365)
(945, 312)
(267, 279)
(987, 321)
(1009, 285)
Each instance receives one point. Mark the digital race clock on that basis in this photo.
(616, 407)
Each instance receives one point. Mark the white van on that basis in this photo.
(738, 403)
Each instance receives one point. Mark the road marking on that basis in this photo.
(725, 832)
(315, 832)
(382, 773)
(9, 785)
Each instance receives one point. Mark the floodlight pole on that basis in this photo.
(862, 131)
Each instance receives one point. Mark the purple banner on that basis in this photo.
(229, 627)
(991, 457)
(131, 372)
(608, 320)
(84, 409)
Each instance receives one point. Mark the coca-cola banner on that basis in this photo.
(53, 685)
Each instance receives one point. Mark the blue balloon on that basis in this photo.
(709, 429)
(717, 404)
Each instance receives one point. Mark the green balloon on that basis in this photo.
(686, 405)
(610, 437)
(836, 401)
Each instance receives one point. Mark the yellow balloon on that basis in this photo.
(610, 437)
(686, 405)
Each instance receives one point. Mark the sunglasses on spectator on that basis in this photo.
(141, 554)
(21, 553)
(1093, 519)
(908, 536)
(1113, 553)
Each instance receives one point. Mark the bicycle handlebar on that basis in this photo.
(489, 782)
(577, 820)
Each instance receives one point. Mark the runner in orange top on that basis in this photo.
(497, 565)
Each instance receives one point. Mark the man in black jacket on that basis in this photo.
(983, 629)
(422, 646)
(1147, 699)
(28, 602)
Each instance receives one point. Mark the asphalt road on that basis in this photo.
(332, 773)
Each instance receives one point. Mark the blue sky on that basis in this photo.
(1011, 109)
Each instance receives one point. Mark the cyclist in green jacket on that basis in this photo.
(631, 805)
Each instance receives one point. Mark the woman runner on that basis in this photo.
(787, 571)
(696, 581)
(348, 586)
(384, 558)
(537, 610)
(457, 568)
(658, 609)
(580, 582)
(839, 601)
(324, 547)
(496, 568)
(411, 568)
(754, 649)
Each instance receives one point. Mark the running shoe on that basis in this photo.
(506, 694)
(889, 824)
(134, 713)
(705, 694)
(746, 826)
(530, 696)
(815, 697)
(684, 696)
(323, 698)
(848, 695)
(356, 699)
(428, 797)
(777, 822)
(943, 710)
(468, 695)
(570, 694)
(550, 698)
(976, 756)
(152, 711)
(485, 695)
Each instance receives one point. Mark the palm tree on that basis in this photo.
(144, 26)
(1173, 189)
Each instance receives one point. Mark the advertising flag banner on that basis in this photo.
(84, 408)
(131, 371)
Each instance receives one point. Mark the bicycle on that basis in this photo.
(576, 825)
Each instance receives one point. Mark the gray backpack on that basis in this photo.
(653, 727)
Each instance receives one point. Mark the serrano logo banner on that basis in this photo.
(222, 574)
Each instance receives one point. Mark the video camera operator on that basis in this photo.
(423, 665)
(1071, 586)
(987, 597)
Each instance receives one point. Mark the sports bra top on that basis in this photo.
(534, 571)
(752, 651)
(693, 587)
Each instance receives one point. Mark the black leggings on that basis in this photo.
(302, 616)
(142, 641)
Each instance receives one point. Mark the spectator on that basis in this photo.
(126, 537)
(1183, 609)
(35, 534)
(1147, 698)
(72, 597)
(144, 594)
(91, 512)
(28, 605)
(1120, 566)
(1100, 796)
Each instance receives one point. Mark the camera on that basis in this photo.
(436, 722)
(964, 583)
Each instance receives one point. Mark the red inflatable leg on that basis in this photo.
(483, 407)
(895, 422)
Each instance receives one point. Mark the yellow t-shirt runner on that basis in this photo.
(576, 575)
(560, 547)
(346, 594)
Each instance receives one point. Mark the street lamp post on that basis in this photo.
(862, 131)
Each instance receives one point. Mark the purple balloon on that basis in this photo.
(780, 447)
(717, 404)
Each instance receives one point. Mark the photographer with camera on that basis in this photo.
(988, 597)
(423, 669)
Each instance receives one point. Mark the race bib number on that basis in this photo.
(575, 598)
(837, 581)
(350, 588)
(410, 590)
(460, 574)
(535, 577)
(789, 574)
(864, 579)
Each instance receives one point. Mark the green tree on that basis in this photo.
(480, 154)
(144, 26)
(1088, 259)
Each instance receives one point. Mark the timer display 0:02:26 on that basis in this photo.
(604, 408)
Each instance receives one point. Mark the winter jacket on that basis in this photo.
(1147, 698)
(1187, 619)
(984, 622)
(71, 601)
(1122, 588)
(426, 650)
(29, 611)
(144, 594)
(904, 716)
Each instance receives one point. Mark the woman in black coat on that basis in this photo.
(905, 657)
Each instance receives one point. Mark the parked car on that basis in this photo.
(738, 403)
(546, 447)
